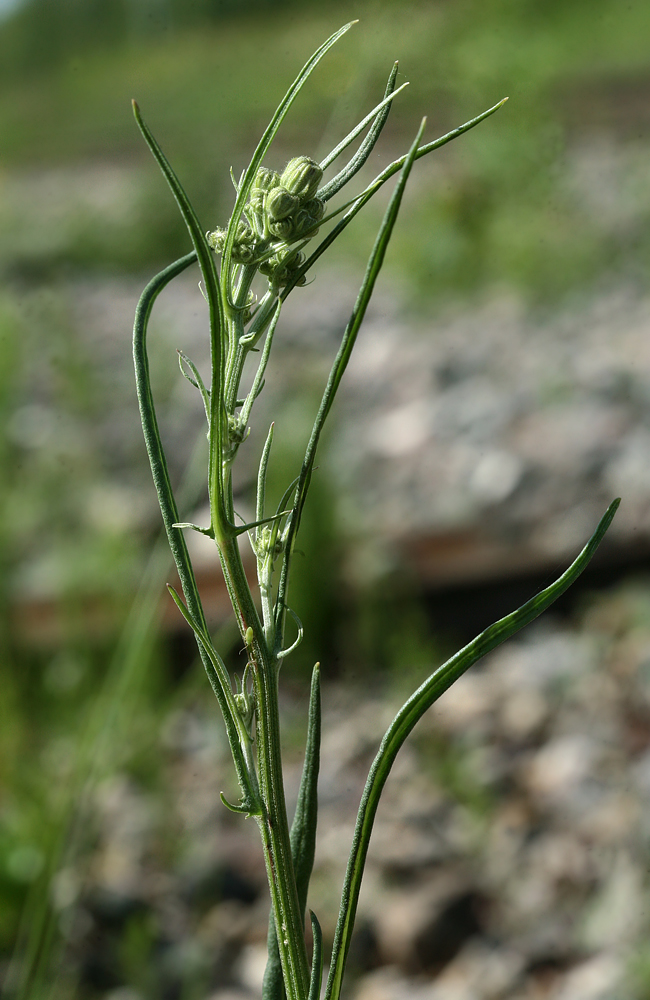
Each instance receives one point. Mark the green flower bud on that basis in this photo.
(308, 218)
(280, 204)
(255, 210)
(282, 229)
(256, 200)
(302, 222)
(301, 177)
(243, 253)
(266, 179)
(290, 257)
(316, 208)
(282, 266)
(243, 248)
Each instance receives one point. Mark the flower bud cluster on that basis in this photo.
(285, 206)
(281, 208)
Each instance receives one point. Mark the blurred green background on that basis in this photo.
(87, 675)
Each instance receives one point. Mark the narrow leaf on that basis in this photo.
(207, 264)
(294, 645)
(203, 252)
(157, 459)
(372, 189)
(373, 268)
(258, 381)
(243, 528)
(261, 477)
(197, 381)
(195, 527)
(238, 737)
(355, 164)
(409, 715)
(267, 139)
(389, 93)
(242, 810)
(303, 828)
(317, 959)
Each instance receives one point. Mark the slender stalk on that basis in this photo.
(274, 827)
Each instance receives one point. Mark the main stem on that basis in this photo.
(272, 821)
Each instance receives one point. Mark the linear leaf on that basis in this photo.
(196, 381)
(375, 185)
(151, 432)
(238, 737)
(408, 716)
(317, 959)
(207, 264)
(303, 828)
(266, 140)
(258, 381)
(169, 510)
(357, 161)
(389, 93)
(373, 268)
(261, 477)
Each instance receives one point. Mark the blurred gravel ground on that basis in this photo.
(509, 860)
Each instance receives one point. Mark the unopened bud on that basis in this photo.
(280, 203)
(282, 229)
(301, 177)
(256, 200)
(266, 179)
(308, 217)
(316, 208)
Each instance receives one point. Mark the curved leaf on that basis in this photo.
(207, 264)
(194, 613)
(405, 720)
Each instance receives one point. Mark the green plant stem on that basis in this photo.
(272, 820)
(274, 828)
